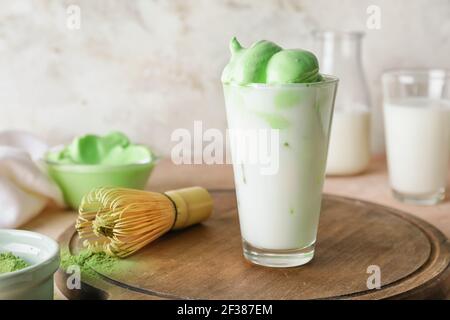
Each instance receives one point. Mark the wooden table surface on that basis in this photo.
(371, 186)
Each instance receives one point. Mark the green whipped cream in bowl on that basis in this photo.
(92, 161)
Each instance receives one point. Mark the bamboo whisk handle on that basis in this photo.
(193, 205)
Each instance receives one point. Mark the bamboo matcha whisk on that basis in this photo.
(121, 221)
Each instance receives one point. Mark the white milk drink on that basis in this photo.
(417, 140)
(349, 149)
(280, 211)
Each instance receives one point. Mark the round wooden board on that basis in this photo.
(206, 262)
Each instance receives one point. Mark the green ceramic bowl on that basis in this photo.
(36, 281)
(75, 180)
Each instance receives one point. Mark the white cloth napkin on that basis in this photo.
(25, 190)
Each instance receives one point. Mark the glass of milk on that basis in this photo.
(279, 139)
(417, 129)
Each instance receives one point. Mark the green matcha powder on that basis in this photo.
(11, 263)
(92, 263)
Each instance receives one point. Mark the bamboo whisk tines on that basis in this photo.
(121, 221)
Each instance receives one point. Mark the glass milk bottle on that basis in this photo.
(349, 147)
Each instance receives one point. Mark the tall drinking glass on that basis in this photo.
(417, 124)
(283, 130)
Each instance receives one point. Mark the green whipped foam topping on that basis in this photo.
(112, 149)
(91, 263)
(266, 62)
(11, 263)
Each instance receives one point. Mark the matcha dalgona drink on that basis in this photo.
(279, 96)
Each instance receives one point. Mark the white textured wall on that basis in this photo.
(147, 67)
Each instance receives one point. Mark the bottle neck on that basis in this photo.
(339, 51)
(340, 55)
